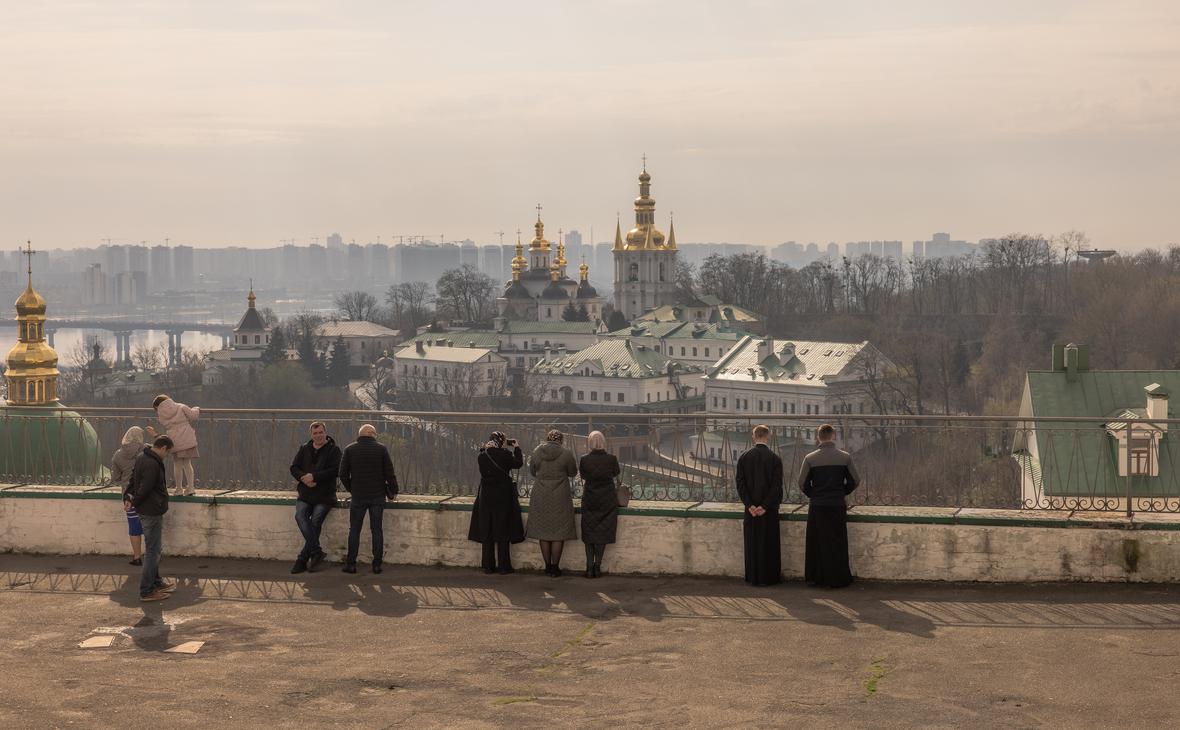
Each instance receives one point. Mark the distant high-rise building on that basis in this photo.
(424, 261)
(378, 263)
(183, 267)
(291, 269)
(94, 285)
(335, 242)
(317, 258)
(356, 264)
(115, 260)
(469, 254)
(161, 268)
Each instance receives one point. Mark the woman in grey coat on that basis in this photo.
(551, 505)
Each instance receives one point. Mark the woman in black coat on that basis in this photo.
(600, 501)
(495, 519)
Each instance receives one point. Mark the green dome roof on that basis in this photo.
(49, 445)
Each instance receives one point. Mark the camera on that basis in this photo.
(511, 442)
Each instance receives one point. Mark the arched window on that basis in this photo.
(662, 271)
(634, 272)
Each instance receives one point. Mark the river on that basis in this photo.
(65, 341)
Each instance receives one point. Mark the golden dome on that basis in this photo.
(30, 303)
(539, 243)
(31, 358)
(584, 270)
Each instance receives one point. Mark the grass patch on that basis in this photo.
(514, 700)
(877, 671)
(574, 642)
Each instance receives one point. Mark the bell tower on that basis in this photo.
(645, 259)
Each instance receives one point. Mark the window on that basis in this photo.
(549, 311)
(706, 352)
(620, 398)
(682, 352)
(694, 352)
(405, 369)
(649, 399)
(723, 402)
(594, 395)
(1141, 461)
(606, 397)
(784, 406)
(553, 394)
(862, 407)
(491, 372)
(714, 401)
(581, 395)
(809, 409)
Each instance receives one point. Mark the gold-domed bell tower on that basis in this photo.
(539, 248)
(645, 259)
(32, 364)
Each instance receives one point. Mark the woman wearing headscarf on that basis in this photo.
(496, 519)
(551, 504)
(121, 464)
(178, 420)
(600, 501)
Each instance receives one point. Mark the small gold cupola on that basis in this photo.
(32, 364)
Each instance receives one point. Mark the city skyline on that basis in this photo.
(250, 123)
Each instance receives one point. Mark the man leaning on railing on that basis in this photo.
(315, 468)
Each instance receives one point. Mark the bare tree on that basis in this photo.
(148, 359)
(466, 294)
(358, 306)
(409, 305)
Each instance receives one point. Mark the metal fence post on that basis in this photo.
(1130, 470)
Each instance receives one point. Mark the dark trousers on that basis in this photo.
(153, 537)
(375, 508)
(310, 518)
(490, 550)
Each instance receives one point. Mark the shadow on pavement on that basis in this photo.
(917, 609)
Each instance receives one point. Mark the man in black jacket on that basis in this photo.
(314, 468)
(826, 477)
(147, 493)
(760, 485)
(366, 471)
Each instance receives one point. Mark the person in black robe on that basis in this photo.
(827, 476)
(496, 517)
(760, 486)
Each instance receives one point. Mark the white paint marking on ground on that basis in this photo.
(97, 642)
(188, 647)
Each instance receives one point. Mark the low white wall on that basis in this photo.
(647, 543)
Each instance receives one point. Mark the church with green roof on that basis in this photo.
(41, 441)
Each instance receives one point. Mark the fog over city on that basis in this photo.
(252, 122)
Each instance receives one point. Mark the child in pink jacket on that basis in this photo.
(177, 419)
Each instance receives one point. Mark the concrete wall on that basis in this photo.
(677, 538)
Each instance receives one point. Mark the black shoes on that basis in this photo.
(136, 561)
(487, 570)
(348, 568)
(315, 560)
(300, 566)
(376, 567)
(506, 571)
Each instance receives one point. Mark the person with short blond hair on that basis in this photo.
(366, 471)
(760, 486)
(600, 501)
(827, 476)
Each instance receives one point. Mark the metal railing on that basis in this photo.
(926, 461)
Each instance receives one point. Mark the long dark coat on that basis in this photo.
(760, 482)
(496, 515)
(600, 502)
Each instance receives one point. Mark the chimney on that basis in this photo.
(1157, 404)
(787, 354)
(1077, 360)
(1058, 358)
(765, 348)
(548, 353)
(421, 347)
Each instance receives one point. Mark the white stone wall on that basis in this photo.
(648, 543)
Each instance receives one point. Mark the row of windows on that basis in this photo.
(420, 387)
(786, 407)
(32, 391)
(245, 339)
(441, 372)
(685, 350)
(31, 331)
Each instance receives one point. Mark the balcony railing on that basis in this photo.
(931, 461)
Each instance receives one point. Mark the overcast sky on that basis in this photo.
(250, 121)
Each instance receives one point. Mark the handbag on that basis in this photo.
(623, 495)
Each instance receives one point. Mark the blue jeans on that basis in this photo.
(310, 518)
(153, 533)
(375, 508)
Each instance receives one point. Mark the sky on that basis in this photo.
(251, 122)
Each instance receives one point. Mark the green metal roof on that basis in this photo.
(1079, 458)
(526, 327)
(462, 338)
(614, 357)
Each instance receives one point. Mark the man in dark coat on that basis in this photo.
(826, 477)
(315, 468)
(366, 471)
(760, 485)
(496, 520)
(147, 494)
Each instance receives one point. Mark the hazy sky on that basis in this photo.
(250, 121)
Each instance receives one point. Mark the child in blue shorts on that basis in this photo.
(121, 465)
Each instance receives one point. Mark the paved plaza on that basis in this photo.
(444, 647)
